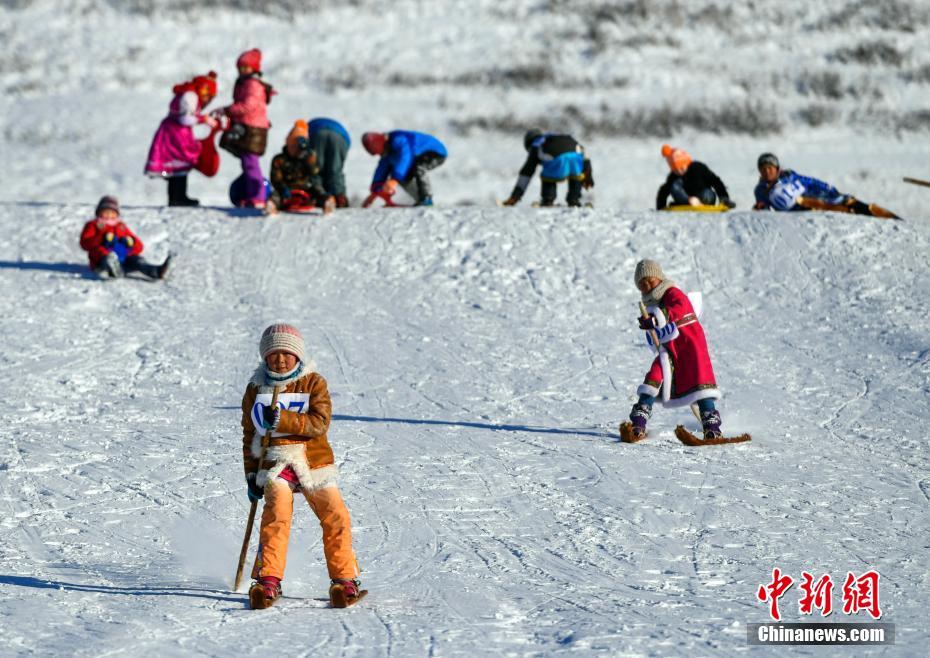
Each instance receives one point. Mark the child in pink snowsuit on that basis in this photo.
(175, 150)
(247, 134)
(681, 338)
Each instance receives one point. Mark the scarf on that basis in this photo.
(654, 296)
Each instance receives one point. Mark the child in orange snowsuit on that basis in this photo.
(298, 459)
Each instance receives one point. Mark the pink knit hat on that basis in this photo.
(282, 338)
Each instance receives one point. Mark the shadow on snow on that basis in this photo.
(142, 590)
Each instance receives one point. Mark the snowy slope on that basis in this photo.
(479, 358)
(479, 361)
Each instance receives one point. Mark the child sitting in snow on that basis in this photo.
(690, 182)
(295, 179)
(113, 249)
(247, 135)
(682, 351)
(298, 459)
(175, 150)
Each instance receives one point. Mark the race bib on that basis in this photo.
(785, 194)
(296, 402)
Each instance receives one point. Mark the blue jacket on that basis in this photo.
(403, 147)
(322, 123)
(784, 192)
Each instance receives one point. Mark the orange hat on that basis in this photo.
(299, 130)
(676, 158)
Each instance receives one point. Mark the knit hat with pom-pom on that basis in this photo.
(676, 158)
(107, 203)
(282, 337)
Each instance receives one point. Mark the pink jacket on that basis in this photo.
(174, 149)
(250, 103)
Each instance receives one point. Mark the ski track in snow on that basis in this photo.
(479, 360)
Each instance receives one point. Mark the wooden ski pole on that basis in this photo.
(917, 181)
(248, 526)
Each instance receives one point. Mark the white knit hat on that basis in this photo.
(282, 337)
(647, 268)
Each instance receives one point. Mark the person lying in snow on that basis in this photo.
(114, 250)
(784, 190)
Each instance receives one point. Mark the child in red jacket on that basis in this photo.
(112, 248)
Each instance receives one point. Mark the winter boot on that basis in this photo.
(639, 416)
(177, 192)
(109, 267)
(425, 201)
(264, 592)
(163, 268)
(710, 420)
(547, 195)
(344, 592)
(342, 201)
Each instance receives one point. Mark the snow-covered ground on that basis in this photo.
(479, 358)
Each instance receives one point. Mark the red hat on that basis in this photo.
(205, 83)
(251, 58)
(676, 158)
(374, 142)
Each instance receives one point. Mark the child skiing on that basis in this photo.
(406, 158)
(175, 150)
(562, 158)
(784, 190)
(247, 134)
(682, 352)
(298, 459)
(296, 184)
(114, 250)
(690, 182)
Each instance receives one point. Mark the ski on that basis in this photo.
(339, 599)
(627, 435)
(689, 439)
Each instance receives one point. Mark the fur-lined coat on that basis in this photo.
(682, 338)
(300, 440)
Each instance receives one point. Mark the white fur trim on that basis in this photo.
(646, 389)
(665, 362)
(295, 456)
(691, 398)
(260, 378)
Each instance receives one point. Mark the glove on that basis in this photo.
(109, 238)
(728, 203)
(389, 187)
(128, 241)
(512, 201)
(256, 493)
(271, 416)
(647, 323)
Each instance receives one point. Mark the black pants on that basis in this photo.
(572, 198)
(177, 192)
(139, 264)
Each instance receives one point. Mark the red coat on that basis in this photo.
(94, 235)
(692, 373)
